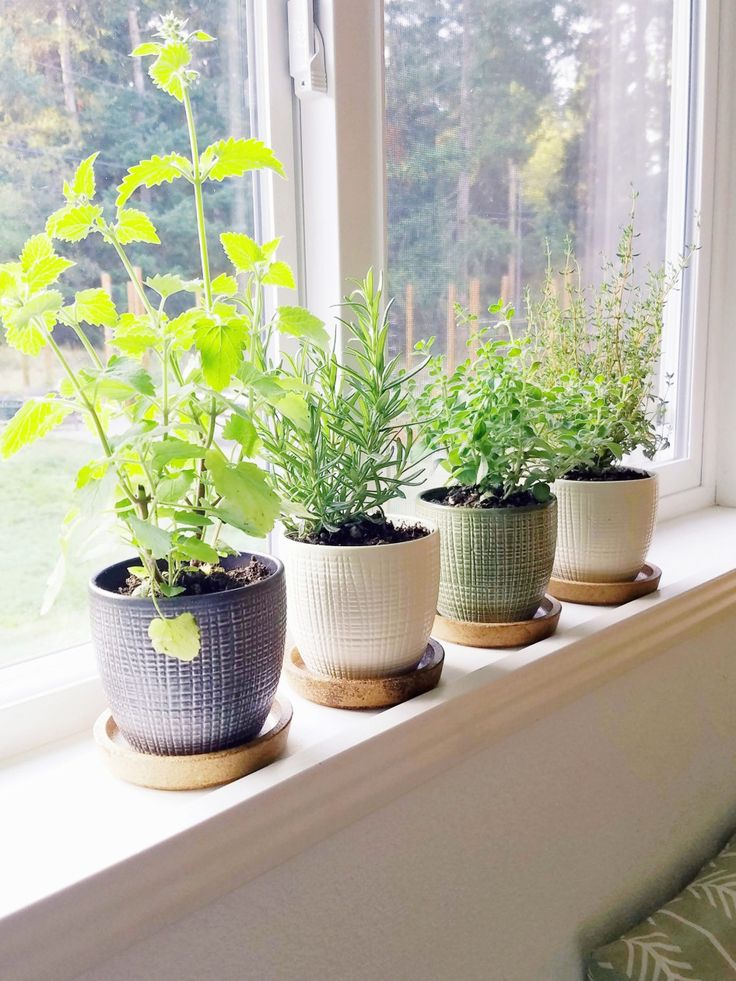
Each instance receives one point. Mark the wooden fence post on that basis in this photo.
(409, 307)
(106, 284)
(474, 306)
(450, 343)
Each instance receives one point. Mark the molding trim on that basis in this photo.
(244, 830)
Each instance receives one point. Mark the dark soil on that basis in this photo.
(363, 531)
(471, 497)
(607, 473)
(218, 580)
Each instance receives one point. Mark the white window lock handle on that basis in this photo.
(306, 50)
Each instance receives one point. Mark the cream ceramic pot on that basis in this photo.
(604, 528)
(362, 611)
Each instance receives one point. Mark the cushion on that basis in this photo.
(692, 938)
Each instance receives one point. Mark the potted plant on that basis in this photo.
(493, 426)
(600, 353)
(362, 586)
(189, 635)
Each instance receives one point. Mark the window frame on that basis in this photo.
(333, 220)
(354, 104)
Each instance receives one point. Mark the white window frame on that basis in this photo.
(345, 203)
(333, 222)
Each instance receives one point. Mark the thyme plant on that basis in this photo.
(600, 350)
(356, 451)
(174, 408)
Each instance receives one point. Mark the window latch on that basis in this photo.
(306, 50)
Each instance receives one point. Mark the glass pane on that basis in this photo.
(513, 122)
(69, 88)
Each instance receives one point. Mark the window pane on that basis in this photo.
(70, 88)
(513, 122)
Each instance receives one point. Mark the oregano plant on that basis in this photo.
(175, 406)
(496, 427)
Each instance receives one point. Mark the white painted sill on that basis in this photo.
(90, 864)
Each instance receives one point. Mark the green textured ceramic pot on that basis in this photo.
(495, 563)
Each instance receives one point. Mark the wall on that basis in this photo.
(505, 868)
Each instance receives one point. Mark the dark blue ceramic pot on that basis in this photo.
(221, 698)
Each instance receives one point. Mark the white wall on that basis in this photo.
(505, 868)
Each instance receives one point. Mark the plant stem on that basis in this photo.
(107, 449)
(87, 345)
(199, 203)
(138, 286)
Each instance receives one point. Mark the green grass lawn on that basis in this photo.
(35, 489)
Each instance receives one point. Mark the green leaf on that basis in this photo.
(169, 69)
(91, 471)
(95, 307)
(235, 156)
(83, 182)
(168, 284)
(27, 327)
(202, 36)
(280, 274)
(134, 334)
(182, 328)
(299, 322)
(295, 409)
(151, 172)
(195, 549)
(37, 247)
(72, 224)
(120, 380)
(149, 537)
(143, 50)
(175, 636)
(221, 348)
(242, 431)
(176, 488)
(248, 502)
(9, 281)
(241, 250)
(170, 591)
(46, 271)
(135, 226)
(166, 450)
(269, 248)
(32, 421)
(224, 285)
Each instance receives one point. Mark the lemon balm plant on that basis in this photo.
(173, 409)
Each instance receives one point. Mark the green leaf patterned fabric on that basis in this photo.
(692, 938)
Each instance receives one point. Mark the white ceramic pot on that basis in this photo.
(362, 611)
(604, 528)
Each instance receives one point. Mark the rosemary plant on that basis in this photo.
(356, 451)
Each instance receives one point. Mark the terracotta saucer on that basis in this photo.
(366, 693)
(201, 770)
(608, 593)
(519, 633)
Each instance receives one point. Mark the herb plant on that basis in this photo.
(174, 408)
(600, 349)
(356, 451)
(494, 425)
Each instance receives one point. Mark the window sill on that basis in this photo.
(106, 868)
